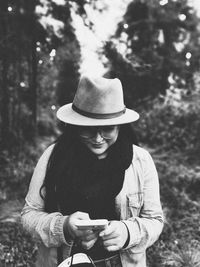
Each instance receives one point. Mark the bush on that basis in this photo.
(172, 123)
(16, 171)
(16, 168)
(16, 246)
(179, 242)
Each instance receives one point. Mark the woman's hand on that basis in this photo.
(114, 236)
(86, 238)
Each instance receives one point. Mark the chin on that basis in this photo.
(98, 152)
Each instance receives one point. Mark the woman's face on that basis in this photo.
(99, 138)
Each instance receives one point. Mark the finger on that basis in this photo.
(113, 235)
(110, 231)
(112, 248)
(110, 242)
(89, 237)
(83, 234)
(88, 244)
(82, 215)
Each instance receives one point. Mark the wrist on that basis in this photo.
(66, 229)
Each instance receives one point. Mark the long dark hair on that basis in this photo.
(63, 152)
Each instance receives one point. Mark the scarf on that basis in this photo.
(79, 181)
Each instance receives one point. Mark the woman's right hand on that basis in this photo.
(86, 238)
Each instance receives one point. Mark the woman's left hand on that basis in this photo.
(114, 236)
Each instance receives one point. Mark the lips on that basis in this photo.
(98, 145)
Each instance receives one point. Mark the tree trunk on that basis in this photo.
(33, 84)
(33, 70)
(5, 131)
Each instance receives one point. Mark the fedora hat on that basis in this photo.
(98, 101)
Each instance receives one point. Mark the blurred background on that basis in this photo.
(153, 47)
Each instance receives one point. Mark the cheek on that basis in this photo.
(85, 142)
(112, 141)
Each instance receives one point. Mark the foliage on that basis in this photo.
(17, 166)
(162, 38)
(126, 70)
(151, 63)
(183, 256)
(16, 246)
(67, 63)
(180, 241)
(170, 127)
(172, 123)
(57, 82)
(38, 29)
(17, 249)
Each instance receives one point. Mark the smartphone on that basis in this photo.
(99, 224)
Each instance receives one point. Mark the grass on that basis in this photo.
(16, 246)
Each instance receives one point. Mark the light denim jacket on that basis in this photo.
(138, 205)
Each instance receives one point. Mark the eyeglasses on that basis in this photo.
(106, 132)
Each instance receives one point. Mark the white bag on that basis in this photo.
(77, 260)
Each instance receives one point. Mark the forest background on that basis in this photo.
(154, 50)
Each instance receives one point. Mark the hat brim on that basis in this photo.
(68, 115)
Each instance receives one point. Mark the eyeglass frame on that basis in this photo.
(99, 130)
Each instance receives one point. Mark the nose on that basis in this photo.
(98, 138)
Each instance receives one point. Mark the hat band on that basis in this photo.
(99, 115)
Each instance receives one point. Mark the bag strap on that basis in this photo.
(71, 260)
(91, 261)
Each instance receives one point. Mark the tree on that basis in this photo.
(161, 40)
(18, 60)
(4, 72)
(30, 33)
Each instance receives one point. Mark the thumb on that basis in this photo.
(82, 215)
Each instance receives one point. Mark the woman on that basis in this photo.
(94, 171)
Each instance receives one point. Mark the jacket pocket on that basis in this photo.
(134, 204)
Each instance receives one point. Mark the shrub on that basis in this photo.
(16, 246)
(179, 243)
(172, 122)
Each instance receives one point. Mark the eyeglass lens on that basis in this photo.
(104, 131)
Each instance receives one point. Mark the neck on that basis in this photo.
(102, 156)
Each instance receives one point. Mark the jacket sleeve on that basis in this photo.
(145, 229)
(44, 227)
